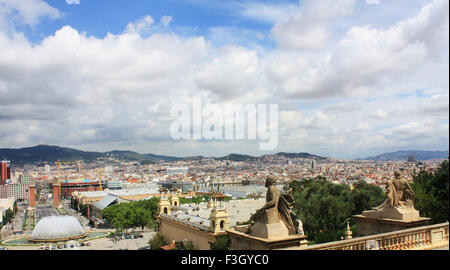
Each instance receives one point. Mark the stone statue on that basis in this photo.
(285, 204)
(399, 194)
(399, 203)
(300, 227)
(397, 212)
(275, 213)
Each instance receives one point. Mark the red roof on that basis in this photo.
(169, 246)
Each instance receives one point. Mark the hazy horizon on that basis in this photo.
(162, 154)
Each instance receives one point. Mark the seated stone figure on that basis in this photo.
(273, 219)
(399, 203)
(399, 194)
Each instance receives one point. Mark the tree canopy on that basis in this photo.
(222, 243)
(432, 192)
(199, 199)
(131, 215)
(324, 208)
(8, 216)
(157, 242)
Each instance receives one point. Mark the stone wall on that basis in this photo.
(173, 230)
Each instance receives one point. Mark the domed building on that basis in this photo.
(56, 229)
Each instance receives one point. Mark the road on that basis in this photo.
(102, 244)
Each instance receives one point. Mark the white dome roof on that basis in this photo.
(57, 227)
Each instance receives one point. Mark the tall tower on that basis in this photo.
(5, 171)
(174, 199)
(55, 195)
(164, 203)
(411, 158)
(32, 189)
(47, 168)
(219, 216)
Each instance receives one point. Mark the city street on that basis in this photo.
(67, 209)
(101, 244)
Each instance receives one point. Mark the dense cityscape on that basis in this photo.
(49, 189)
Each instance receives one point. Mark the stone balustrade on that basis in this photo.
(419, 238)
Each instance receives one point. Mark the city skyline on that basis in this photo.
(352, 79)
(39, 150)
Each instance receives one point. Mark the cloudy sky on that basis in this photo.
(352, 78)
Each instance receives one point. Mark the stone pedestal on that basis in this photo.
(270, 230)
(389, 220)
(404, 214)
(242, 241)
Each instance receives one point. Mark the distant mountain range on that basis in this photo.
(299, 155)
(403, 155)
(47, 153)
(130, 155)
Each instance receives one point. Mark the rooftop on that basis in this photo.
(105, 202)
(119, 192)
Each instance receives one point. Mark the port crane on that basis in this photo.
(101, 174)
(59, 172)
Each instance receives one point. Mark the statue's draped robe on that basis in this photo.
(399, 194)
(282, 205)
(284, 208)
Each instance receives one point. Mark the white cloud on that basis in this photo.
(362, 127)
(25, 12)
(380, 113)
(291, 121)
(165, 20)
(140, 25)
(229, 73)
(354, 67)
(343, 107)
(300, 35)
(373, 2)
(310, 30)
(414, 130)
(268, 12)
(225, 35)
(324, 10)
(73, 2)
(70, 76)
(436, 105)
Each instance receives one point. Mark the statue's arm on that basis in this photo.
(268, 205)
(409, 190)
(271, 203)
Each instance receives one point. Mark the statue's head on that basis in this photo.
(397, 174)
(270, 180)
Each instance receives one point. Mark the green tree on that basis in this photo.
(157, 242)
(188, 245)
(324, 208)
(366, 196)
(222, 243)
(432, 193)
(84, 209)
(184, 245)
(8, 216)
(125, 216)
(320, 178)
